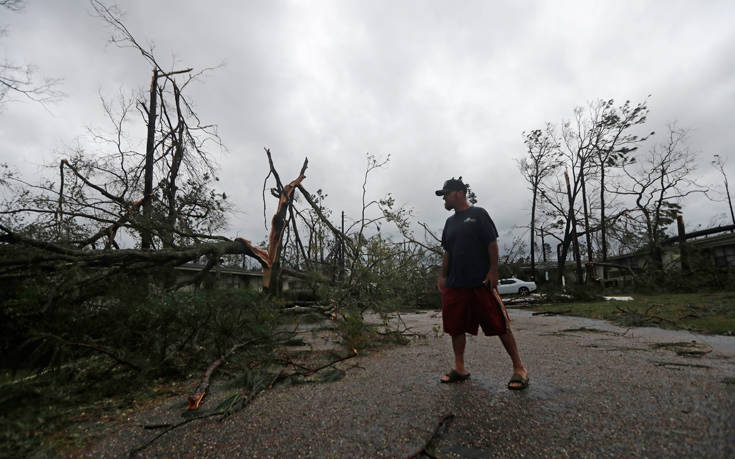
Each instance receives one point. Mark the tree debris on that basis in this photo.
(551, 313)
(684, 348)
(678, 364)
(201, 391)
(444, 421)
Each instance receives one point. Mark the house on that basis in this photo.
(713, 247)
(228, 277)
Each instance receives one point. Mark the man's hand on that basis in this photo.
(491, 279)
(441, 284)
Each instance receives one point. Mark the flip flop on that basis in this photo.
(516, 378)
(454, 377)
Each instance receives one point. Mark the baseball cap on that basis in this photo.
(450, 185)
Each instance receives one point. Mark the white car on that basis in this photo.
(512, 285)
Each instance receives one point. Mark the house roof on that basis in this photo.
(710, 237)
(220, 269)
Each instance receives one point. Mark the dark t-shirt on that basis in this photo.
(466, 237)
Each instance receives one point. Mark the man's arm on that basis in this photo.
(492, 274)
(442, 280)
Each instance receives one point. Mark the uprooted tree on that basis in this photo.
(163, 197)
(65, 238)
(95, 246)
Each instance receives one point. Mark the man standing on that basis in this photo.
(468, 282)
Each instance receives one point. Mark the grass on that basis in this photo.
(707, 312)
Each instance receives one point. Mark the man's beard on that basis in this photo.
(447, 206)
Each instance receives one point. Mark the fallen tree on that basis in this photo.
(55, 256)
(87, 257)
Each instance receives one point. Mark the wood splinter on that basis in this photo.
(201, 391)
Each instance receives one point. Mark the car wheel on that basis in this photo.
(524, 291)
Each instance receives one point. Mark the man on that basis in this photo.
(468, 282)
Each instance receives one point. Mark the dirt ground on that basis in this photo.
(596, 390)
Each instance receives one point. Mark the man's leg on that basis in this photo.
(458, 344)
(509, 342)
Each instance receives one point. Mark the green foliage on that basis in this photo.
(58, 358)
(361, 269)
(253, 380)
(354, 331)
(153, 330)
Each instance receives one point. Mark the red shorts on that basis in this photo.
(464, 310)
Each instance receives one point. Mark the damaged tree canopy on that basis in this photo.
(25, 255)
(87, 258)
(161, 200)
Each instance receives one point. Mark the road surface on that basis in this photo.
(596, 390)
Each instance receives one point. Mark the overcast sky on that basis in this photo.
(445, 88)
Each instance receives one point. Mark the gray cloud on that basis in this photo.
(445, 88)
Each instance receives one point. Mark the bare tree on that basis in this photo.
(175, 141)
(12, 5)
(540, 162)
(614, 147)
(657, 185)
(514, 251)
(720, 164)
(21, 79)
(596, 138)
(165, 194)
(574, 154)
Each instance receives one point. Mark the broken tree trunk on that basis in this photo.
(149, 150)
(58, 257)
(201, 390)
(278, 222)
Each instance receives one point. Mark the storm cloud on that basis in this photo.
(445, 88)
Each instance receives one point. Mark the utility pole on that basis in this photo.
(543, 245)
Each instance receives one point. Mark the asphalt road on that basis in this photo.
(596, 391)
